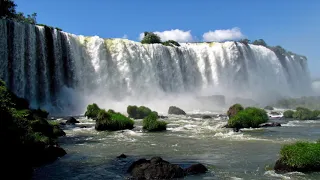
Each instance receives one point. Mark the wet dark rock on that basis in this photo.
(196, 169)
(72, 121)
(62, 123)
(270, 124)
(281, 167)
(83, 126)
(175, 110)
(122, 156)
(156, 168)
(163, 117)
(206, 117)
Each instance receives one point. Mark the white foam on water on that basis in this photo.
(274, 174)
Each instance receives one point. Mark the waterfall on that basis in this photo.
(58, 70)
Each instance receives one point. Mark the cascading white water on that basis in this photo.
(58, 69)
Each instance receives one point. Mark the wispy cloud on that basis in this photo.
(223, 35)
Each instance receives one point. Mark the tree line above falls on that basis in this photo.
(8, 11)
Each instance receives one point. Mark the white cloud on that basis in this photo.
(223, 35)
(174, 34)
(125, 36)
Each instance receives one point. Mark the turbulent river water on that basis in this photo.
(249, 154)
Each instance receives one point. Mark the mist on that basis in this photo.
(63, 72)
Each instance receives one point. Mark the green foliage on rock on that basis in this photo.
(288, 114)
(136, 112)
(171, 43)
(151, 123)
(305, 114)
(310, 102)
(244, 41)
(301, 155)
(234, 109)
(260, 42)
(250, 117)
(112, 121)
(150, 38)
(27, 131)
(92, 111)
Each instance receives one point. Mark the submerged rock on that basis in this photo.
(162, 117)
(206, 117)
(72, 121)
(122, 156)
(156, 168)
(270, 124)
(175, 110)
(196, 169)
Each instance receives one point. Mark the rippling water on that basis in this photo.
(249, 154)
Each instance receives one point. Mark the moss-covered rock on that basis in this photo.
(28, 139)
(151, 123)
(250, 117)
(175, 110)
(301, 156)
(288, 114)
(136, 112)
(112, 121)
(234, 109)
(92, 111)
(305, 114)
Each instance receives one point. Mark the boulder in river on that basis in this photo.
(122, 156)
(196, 169)
(175, 110)
(156, 168)
(206, 117)
(270, 124)
(72, 121)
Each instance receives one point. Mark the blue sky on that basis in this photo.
(293, 24)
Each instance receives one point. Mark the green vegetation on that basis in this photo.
(171, 43)
(112, 121)
(305, 114)
(92, 111)
(310, 102)
(151, 123)
(269, 108)
(234, 109)
(288, 114)
(8, 11)
(260, 42)
(136, 112)
(150, 38)
(26, 134)
(303, 156)
(244, 41)
(250, 117)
